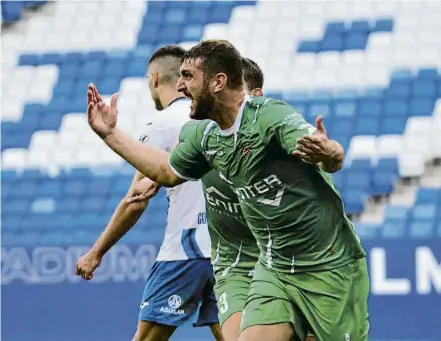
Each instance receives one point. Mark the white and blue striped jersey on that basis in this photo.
(186, 232)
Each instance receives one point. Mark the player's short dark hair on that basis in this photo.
(219, 56)
(175, 51)
(252, 74)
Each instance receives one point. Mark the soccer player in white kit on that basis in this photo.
(181, 280)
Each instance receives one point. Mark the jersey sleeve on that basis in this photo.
(187, 160)
(282, 122)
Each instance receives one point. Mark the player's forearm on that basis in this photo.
(152, 162)
(123, 219)
(334, 161)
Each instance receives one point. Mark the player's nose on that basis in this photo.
(180, 86)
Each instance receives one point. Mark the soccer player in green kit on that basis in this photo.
(311, 273)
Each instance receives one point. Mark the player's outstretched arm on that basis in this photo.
(318, 148)
(152, 162)
(123, 219)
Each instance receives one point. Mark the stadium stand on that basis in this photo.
(371, 68)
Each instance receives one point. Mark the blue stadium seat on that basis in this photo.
(340, 126)
(347, 109)
(99, 187)
(49, 188)
(421, 107)
(392, 126)
(419, 230)
(69, 205)
(428, 74)
(361, 165)
(335, 28)
(198, 16)
(332, 42)
(393, 229)
(8, 176)
(319, 109)
(192, 33)
(354, 200)
(370, 108)
(367, 230)
(367, 126)
(383, 25)
(308, 46)
(25, 189)
(360, 26)
(28, 60)
(358, 179)
(398, 90)
(400, 213)
(356, 41)
(428, 196)
(396, 108)
(373, 93)
(424, 212)
(11, 223)
(383, 181)
(424, 89)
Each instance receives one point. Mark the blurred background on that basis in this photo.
(372, 68)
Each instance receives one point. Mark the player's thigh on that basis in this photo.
(269, 305)
(151, 331)
(231, 326)
(270, 332)
(172, 296)
(333, 302)
(231, 291)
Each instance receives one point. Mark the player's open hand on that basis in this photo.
(101, 117)
(87, 264)
(142, 191)
(315, 148)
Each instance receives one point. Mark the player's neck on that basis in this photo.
(227, 109)
(169, 96)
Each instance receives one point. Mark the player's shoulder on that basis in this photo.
(271, 110)
(194, 127)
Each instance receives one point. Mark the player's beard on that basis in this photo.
(203, 104)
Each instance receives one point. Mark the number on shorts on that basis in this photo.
(223, 303)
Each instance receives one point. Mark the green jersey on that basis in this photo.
(293, 208)
(233, 247)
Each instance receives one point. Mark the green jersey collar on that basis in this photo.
(235, 127)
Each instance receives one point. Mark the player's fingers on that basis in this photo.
(310, 138)
(89, 96)
(114, 102)
(90, 109)
(303, 157)
(313, 147)
(305, 150)
(101, 105)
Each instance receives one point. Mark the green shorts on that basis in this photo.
(331, 304)
(231, 293)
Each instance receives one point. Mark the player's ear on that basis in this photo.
(220, 82)
(258, 92)
(155, 79)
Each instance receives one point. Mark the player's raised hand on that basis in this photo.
(142, 190)
(101, 117)
(87, 264)
(317, 147)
